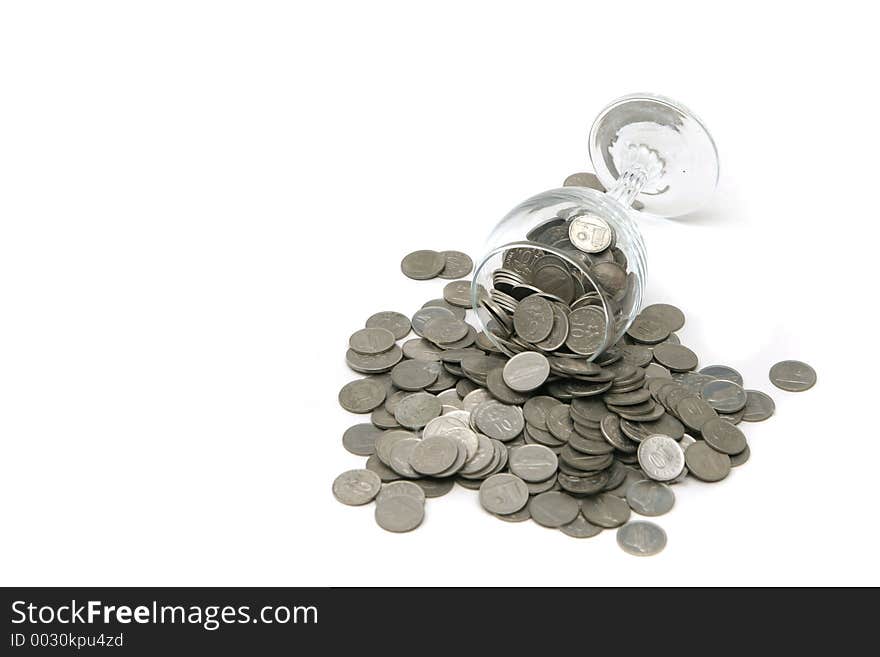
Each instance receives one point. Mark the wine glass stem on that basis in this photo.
(628, 186)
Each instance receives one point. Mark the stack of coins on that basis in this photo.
(541, 432)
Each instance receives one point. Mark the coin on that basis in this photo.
(706, 463)
(445, 330)
(586, 330)
(759, 406)
(580, 527)
(361, 439)
(458, 293)
(724, 396)
(458, 264)
(422, 265)
(499, 421)
(671, 317)
(641, 539)
(694, 412)
(676, 357)
(605, 510)
(647, 330)
(373, 363)
(415, 375)
(590, 233)
(533, 319)
(723, 372)
(386, 441)
(661, 457)
(421, 349)
(416, 410)
(583, 180)
(424, 315)
(650, 498)
(503, 494)
(371, 340)
(501, 391)
(553, 509)
(397, 323)
(526, 371)
(374, 464)
(400, 489)
(361, 396)
(381, 418)
(356, 487)
(433, 455)
(722, 436)
(793, 376)
(536, 408)
(532, 463)
(400, 514)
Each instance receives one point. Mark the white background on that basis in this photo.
(199, 202)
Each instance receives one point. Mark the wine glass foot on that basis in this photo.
(663, 140)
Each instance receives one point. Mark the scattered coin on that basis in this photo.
(400, 488)
(458, 264)
(361, 396)
(641, 539)
(580, 527)
(422, 265)
(724, 396)
(705, 463)
(415, 375)
(590, 233)
(553, 509)
(724, 437)
(793, 376)
(361, 439)
(356, 487)
(723, 372)
(676, 357)
(397, 323)
(671, 317)
(416, 410)
(533, 319)
(759, 406)
(400, 514)
(371, 340)
(650, 498)
(661, 457)
(526, 371)
(605, 510)
(433, 455)
(532, 463)
(503, 494)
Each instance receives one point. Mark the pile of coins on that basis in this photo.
(541, 432)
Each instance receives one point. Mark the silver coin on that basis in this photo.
(661, 458)
(474, 398)
(738, 459)
(458, 264)
(433, 455)
(433, 487)
(706, 463)
(532, 463)
(459, 313)
(657, 371)
(723, 372)
(356, 487)
(648, 330)
(416, 410)
(583, 180)
(724, 396)
(385, 443)
(793, 376)
(458, 293)
(722, 436)
(454, 427)
(676, 357)
(533, 319)
(580, 527)
(503, 493)
(501, 391)
(422, 265)
(526, 371)
(424, 315)
(559, 332)
(517, 516)
(586, 330)
(373, 363)
(421, 349)
(415, 375)
(401, 452)
(641, 539)
(400, 514)
(559, 422)
(386, 474)
(611, 276)
(605, 510)
(694, 412)
(482, 458)
(498, 421)
(400, 489)
(637, 355)
(590, 233)
(397, 323)
(670, 316)
(535, 410)
(371, 340)
(445, 330)
(361, 439)
(650, 498)
(361, 396)
(382, 419)
(553, 509)
(759, 406)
